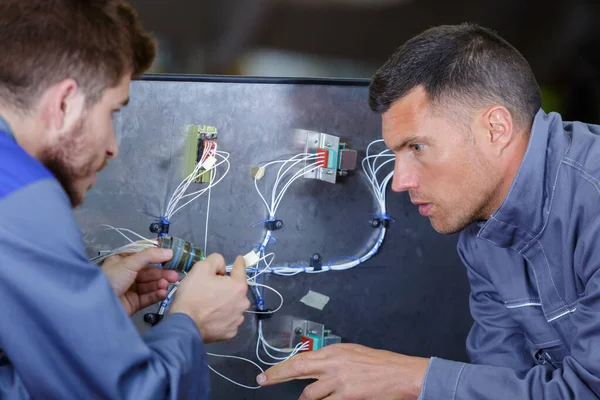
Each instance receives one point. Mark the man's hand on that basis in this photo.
(136, 284)
(215, 301)
(352, 372)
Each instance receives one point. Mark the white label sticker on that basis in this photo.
(315, 300)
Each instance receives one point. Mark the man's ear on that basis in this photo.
(498, 123)
(62, 107)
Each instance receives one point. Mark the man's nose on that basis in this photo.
(405, 178)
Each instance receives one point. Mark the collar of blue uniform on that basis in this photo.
(521, 217)
(5, 128)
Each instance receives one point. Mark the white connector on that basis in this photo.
(251, 259)
(209, 163)
(258, 172)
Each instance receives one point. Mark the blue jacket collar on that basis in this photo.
(5, 128)
(522, 216)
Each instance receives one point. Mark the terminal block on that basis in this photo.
(198, 137)
(313, 333)
(334, 160)
(288, 332)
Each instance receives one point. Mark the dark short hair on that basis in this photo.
(464, 64)
(95, 42)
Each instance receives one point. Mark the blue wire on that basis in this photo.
(258, 246)
(260, 302)
(164, 221)
(262, 222)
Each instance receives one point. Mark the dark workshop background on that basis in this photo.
(351, 38)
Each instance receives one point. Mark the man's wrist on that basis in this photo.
(419, 369)
(424, 381)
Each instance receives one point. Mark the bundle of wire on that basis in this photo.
(210, 161)
(282, 176)
(134, 246)
(287, 174)
(283, 181)
(251, 279)
(372, 165)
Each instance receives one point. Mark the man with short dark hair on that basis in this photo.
(461, 112)
(65, 330)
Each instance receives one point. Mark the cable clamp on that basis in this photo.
(273, 224)
(263, 314)
(382, 221)
(316, 262)
(152, 318)
(160, 227)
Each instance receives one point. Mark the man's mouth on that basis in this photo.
(424, 208)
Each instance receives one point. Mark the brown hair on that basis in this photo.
(42, 42)
(466, 65)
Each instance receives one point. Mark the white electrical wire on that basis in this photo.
(195, 174)
(371, 169)
(229, 379)
(131, 247)
(180, 192)
(229, 267)
(134, 247)
(281, 185)
(262, 341)
(281, 173)
(258, 271)
(207, 214)
(298, 348)
(225, 160)
(302, 346)
(201, 192)
(106, 227)
(250, 283)
(297, 175)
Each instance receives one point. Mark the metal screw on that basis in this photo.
(299, 331)
(328, 172)
(315, 141)
(327, 144)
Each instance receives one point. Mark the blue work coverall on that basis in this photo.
(63, 332)
(534, 270)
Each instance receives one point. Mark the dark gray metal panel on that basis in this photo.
(415, 301)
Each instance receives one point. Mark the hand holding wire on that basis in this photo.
(136, 284)
(216, 302)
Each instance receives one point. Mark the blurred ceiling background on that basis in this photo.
(351, 38)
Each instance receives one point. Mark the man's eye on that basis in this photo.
(417, 147)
